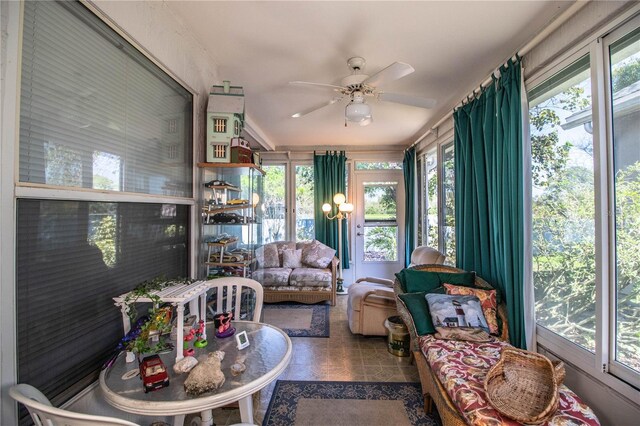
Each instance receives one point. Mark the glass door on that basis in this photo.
(379, 223)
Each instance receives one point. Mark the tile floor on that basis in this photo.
(343, 356)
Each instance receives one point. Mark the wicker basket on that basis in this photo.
(524, 386)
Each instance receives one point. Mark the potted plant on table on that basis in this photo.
(147, 339)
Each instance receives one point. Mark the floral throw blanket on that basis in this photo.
(461, 367)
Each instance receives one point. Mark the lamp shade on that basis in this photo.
(339, 198)
(346, 207)
(326, 207)
(355, 111)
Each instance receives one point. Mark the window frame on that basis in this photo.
(436, 147)
(287, 195)
(601, 364)
(615, 367)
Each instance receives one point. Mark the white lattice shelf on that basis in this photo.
(177, 295)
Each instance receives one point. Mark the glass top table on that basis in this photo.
(267, 356)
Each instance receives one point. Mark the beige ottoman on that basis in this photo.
(371, 302)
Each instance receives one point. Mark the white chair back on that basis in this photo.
(226, 304)
(44, 414)
(423, 255)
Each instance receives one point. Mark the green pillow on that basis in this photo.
(416, 304)
(413, 281)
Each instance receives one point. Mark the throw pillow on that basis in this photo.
(413, 280)
(456, 311)
(487, 301)
(259, 255)
(317, 255)
(283, 245)
(292, 258)
(270, 255)
(417, 306)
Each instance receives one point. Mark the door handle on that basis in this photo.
(358, 234)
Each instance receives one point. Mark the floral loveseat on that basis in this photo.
(302, 272)
(452, 372)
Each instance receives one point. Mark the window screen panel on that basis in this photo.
(95, 112)
(73, 257)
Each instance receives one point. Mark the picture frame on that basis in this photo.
(242, 340)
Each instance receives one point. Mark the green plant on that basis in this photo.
(158, 322)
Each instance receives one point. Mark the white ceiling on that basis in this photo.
(262, 45)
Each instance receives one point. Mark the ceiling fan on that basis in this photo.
(357, 86)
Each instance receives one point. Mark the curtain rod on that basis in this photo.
(546, 31)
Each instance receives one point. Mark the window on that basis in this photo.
(274, 205)
(449, 200)
(586, 207)
(73, 257)
(96, 115)
(378, 165)
(219, 125)
(421, 211)
(563, 206)
(94, 111)
(430, 200)
(624, 101)
(380, 222)
(305, 229)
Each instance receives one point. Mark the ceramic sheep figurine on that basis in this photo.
(207, 375)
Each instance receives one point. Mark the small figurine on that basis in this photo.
(189, 337)
(200, 341)
(222, 322)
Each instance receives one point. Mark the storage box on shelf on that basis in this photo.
(231, 218)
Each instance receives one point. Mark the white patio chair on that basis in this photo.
(224, 300)
(45, 414)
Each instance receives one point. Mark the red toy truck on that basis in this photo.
(153, 373)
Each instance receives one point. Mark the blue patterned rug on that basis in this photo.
(284, 315)
(347, 403)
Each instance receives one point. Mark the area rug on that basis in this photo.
(298, 320)
(347, 403)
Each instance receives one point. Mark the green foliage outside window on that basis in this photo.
(564, 227)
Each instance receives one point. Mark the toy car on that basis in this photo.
(153, 373)
(237, 201)
(227, 218)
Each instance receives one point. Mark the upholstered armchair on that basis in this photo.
(372, 300)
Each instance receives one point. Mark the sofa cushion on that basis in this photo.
(292, 258)
(462, 366)
(283, 245)
(310, 277)
(487, 301)
(300, 245)
(416, 304)
(271, 258)
(317, 255)
(412, 280)
(272, 276)
(456, 311)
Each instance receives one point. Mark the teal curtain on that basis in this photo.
(409, 170)
(489, 192)
(329, 177)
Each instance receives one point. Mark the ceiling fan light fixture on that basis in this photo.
(357, 111)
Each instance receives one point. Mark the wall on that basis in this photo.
(161, 35)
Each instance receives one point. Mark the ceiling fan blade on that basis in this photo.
(393, 72)
(408, 100)
(316, 108)
(329, 86)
